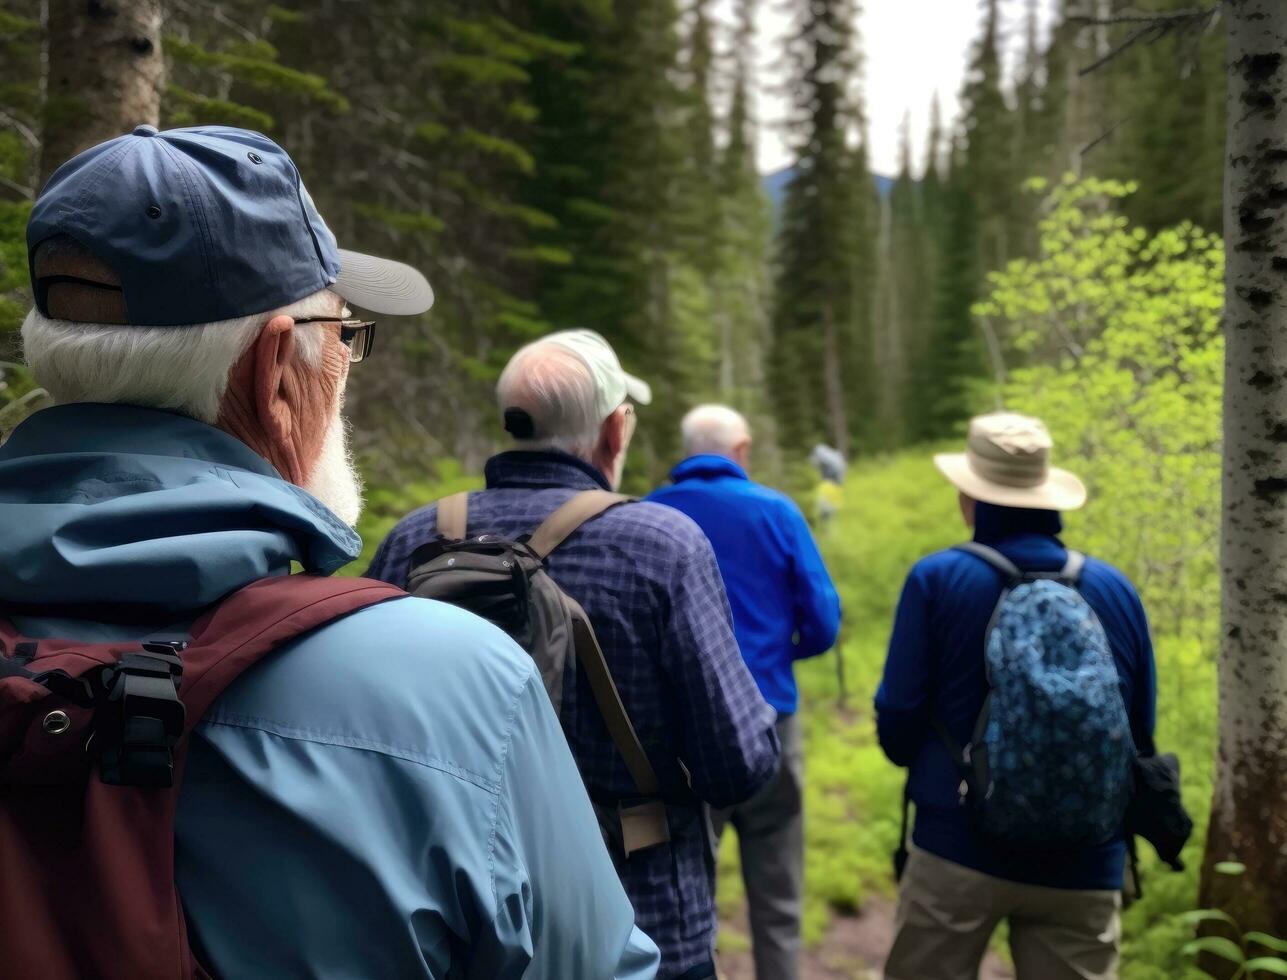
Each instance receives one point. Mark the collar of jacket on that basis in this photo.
(147, 515)
(128, 429)
(542, 470)
(993, 523)
(706, 467)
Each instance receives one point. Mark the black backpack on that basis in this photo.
(506, 583)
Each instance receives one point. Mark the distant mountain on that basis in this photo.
(775, 185)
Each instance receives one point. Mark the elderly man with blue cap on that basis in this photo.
(388, 795)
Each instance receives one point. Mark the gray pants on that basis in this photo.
(770, 836)
(947, 913)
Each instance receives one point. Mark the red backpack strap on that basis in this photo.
(88, 867)
(257, 620)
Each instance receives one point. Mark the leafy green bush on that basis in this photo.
(385, 506)
(1253, 953)
(1119, 335)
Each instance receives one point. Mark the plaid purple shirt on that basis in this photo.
(648, 580)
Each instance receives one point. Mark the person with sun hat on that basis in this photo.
(957, 652)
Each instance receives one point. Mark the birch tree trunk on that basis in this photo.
(104, 74)
(1249, 809)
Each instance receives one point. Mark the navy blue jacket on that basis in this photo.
(935, 666)
(784, 605)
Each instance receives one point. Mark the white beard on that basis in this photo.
(335, 480)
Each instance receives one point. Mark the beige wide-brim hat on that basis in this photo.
(1007, 462)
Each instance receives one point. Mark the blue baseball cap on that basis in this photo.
(206, 224)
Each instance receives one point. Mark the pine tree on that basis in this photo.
(946, 375)
(989, 165)
(103, 75)
(615, 136)
(821, 357)
(740, 295)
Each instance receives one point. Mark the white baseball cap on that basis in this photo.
(612, 384)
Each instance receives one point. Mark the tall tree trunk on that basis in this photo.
(888, 342)
(1249, 809)
(834, 383)
(104, 74)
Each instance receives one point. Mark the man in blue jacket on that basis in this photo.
(1062, 904)
(388, 796)
(785, 609)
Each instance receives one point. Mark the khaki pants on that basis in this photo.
(947, 913)
(770, 836)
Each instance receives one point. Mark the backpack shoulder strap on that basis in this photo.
(453, 516)
(580, 508)
(993, 557)
(1072, 569)
(258, 619)
(608, 700)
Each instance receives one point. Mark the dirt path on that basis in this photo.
(853, 949)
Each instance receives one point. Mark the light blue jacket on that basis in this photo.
(390, 796)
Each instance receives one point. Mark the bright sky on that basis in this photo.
(912, 49)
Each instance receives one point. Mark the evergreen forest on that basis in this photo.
(1062, 248)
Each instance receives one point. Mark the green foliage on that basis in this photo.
(256, 67)
(386, 505)
(1119, 334)
(895, 510)
(1253, 953)
(821, 369)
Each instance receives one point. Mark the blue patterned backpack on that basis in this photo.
(1051, 761)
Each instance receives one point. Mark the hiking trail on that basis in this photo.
(854, 948)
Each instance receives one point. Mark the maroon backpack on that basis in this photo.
(92, 744)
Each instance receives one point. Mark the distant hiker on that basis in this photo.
(649, 584)
(387, 794)
(784, 609)
(828, 495)
(829, 463)
(1019, 681)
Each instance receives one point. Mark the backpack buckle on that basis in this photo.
(140, 717)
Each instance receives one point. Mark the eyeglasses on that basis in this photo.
(357, 335)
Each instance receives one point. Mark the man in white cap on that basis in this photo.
(982, 661)
(648, 580)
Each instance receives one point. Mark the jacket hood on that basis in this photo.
(126, 514)
(707, 466)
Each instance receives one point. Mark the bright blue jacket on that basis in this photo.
(389, 796)
(785, 607)
(936, 666)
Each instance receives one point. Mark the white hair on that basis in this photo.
(554, 386)
(713, 429)
(182, 369)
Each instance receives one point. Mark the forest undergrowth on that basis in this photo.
(896, 509)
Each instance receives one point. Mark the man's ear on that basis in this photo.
(612, 434)
(273, 351)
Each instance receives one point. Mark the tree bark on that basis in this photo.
(104, 76)
(1249, 808)
(834, 383)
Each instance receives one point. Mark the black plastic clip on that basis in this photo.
(140, 717)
